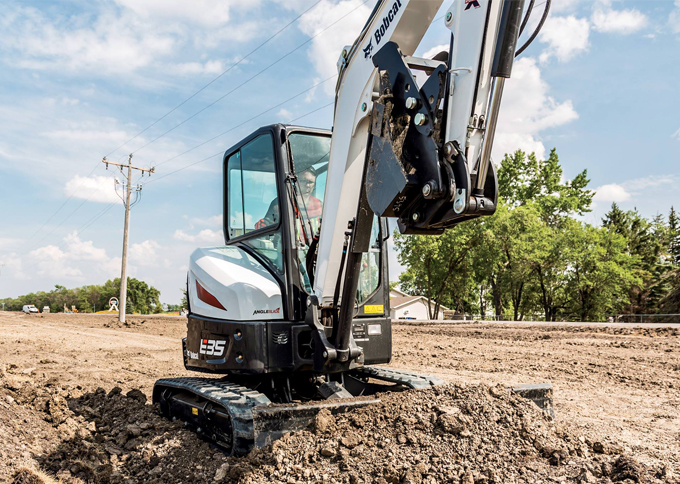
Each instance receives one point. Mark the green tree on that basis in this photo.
(435, 266)
(524, 178)
(674, 237)
(645, 242)
(600, 272)
(142, 298)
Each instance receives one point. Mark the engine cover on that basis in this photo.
(244, 288)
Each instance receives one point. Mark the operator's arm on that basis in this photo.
(271, 217)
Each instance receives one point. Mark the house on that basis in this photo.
(403, 306)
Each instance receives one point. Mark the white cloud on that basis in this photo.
(611, 193)
(326, 48)
(203, 12)
(654, 181)
(145, 253)
(631, 190)
(284, 115)
(565, 36)
(194, 68)
(122, 37)
(95, 189)
(84, 250)
(429, 54)
(7, 243)
(559, 6)
(11, 267)
(86, 135)
(607, 20)
(215, 220)
(527, 109)
(204, 236)
(674, 18)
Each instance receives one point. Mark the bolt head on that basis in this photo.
(411, 103)
(364, 106)
(420, 119)
(344, 53)
(415, 216)
(449, 16)
(458, 205)
(427, 190)
(325, 354)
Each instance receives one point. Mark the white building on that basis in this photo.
(403, 306)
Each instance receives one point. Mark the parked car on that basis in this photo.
(30, 308)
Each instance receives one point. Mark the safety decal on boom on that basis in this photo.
(471, 3)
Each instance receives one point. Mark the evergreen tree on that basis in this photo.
(674, 237)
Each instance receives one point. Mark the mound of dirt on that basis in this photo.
(452, 434)
(449, 434)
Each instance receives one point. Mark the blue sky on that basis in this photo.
(78, 79)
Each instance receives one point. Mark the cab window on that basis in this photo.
(252, 199)
(369, 275)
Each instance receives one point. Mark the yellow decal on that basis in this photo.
(194, 410)
(374, 309)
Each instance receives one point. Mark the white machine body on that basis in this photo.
(244, 288)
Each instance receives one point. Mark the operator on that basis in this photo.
(308, 209)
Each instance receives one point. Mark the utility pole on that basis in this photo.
(126, 201)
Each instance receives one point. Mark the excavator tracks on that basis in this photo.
(216, 409)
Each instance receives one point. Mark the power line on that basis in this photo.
(248, 120)
(80, 230)
(219, 76)
(61, 206)
(174, 109)
(250, 79)
(221, 152)
(69, 215)
(203, 109)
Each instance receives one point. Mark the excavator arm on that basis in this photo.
(420, 153)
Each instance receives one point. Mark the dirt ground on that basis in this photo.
(70, 406)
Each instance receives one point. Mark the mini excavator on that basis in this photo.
(292, 314)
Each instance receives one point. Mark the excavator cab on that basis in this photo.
(250, 295)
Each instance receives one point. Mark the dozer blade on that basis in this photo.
(273, 421)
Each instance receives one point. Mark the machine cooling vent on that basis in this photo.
(280, 338)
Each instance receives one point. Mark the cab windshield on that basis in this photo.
(310, 155)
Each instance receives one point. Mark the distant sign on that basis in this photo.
(113, 304)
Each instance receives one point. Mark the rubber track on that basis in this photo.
(237, 400)
(406, 378)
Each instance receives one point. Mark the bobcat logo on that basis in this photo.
(368, 50)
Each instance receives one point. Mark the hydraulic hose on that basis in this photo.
(538, 27)
(526, 17)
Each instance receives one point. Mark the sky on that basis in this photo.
(176, 83)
